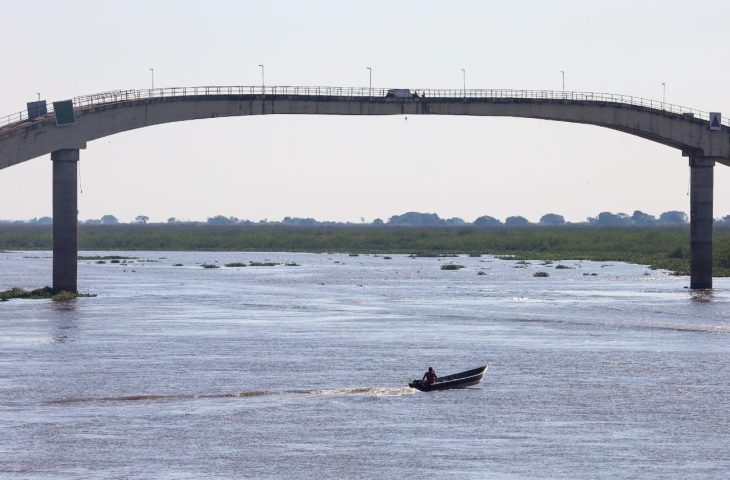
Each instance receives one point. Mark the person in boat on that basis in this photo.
(430, 376)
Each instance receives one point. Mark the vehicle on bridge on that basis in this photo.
(399, 93)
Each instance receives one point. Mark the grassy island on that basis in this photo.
(40, 293)
(658, 247)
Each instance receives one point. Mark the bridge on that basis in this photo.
(65, 128)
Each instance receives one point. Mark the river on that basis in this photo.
(174, 371)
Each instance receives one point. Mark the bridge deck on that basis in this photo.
(9, 122)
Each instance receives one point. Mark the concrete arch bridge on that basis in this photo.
(64, 128)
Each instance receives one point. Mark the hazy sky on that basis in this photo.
(345, 168)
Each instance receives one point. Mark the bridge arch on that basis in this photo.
(24, 136)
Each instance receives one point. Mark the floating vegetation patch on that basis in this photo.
(264, 264)
(40, 294)
(177, 264)
(432, 255)
(291, 264)
(541, 274)
(387, 258)
(586, 274)
(481, 272)
(235, 264)
(451, 266)
(563, 267)
(522, 262)
(106, 257)
(354, 255)
(475, 255)
(101, 262)
(209, 265)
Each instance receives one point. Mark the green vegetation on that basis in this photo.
(657, 247)
(541, 274)
(107, 257)
(265, 264)
(209, 265)
(235, 264)
(40, 293)
(451, 266)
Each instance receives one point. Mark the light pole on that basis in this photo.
(463, 75)
(152, 71)
(263, 85)
(370, 85)
(39, 96)
(563, 72)
(664, 94)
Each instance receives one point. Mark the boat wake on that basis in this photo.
(161, 397)
(371, 392)
(361, 391)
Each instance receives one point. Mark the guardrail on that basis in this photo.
(115, 96)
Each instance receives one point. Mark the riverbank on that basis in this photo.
(664, 248)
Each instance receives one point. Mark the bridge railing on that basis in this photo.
(115, 96)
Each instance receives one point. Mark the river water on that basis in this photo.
(600, 370)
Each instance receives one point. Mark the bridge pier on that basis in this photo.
(700, 217)
(65, 219)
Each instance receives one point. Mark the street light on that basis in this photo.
(152, 71)
(563, 72)
(370, 87)
(664, 94)
(263, 85)
(463, 74)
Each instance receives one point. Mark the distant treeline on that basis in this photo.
(417, 219)
(659, 247)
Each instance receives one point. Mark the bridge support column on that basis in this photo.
(700, 208)
(65, 219)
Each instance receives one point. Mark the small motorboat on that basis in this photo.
(457, 380)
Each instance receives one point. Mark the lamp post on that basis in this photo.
(152, 72)
(463, 76)
(664, 94)
(563, 73)
(263, 85)
(39, 96)
(370, 85)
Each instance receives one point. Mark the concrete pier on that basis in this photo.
(65, 219)
(701, 194)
